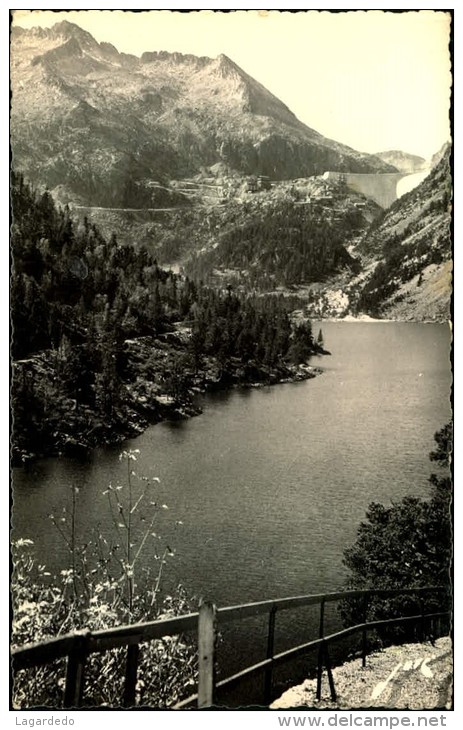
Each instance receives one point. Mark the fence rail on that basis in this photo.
(76, 647)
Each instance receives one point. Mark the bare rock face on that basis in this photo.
(106, 124)
(403, 161)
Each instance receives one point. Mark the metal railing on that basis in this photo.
(80, 644)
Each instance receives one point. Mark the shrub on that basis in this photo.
(103, 587)
(405, 545)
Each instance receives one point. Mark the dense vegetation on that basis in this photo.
(281, 244)
(100, 332)
(408, 544)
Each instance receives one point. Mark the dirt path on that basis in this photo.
(136, 210)
(411, 676)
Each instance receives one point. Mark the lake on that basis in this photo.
(270, 484)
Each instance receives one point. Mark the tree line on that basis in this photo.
(78, 299)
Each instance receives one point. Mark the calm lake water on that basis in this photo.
(270, 484)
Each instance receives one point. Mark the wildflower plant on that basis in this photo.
(104, 585)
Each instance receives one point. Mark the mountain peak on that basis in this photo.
(226, 61)
(68, 44)
(225, 67)
(70, 30)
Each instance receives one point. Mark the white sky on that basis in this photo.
(372, 80)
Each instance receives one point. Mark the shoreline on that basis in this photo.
(145, 406)
(366, 319)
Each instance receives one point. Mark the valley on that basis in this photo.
(194, 160)
(203, 238)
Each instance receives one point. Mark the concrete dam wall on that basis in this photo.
(382, 188)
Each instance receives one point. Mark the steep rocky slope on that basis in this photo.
(108, 127)
(412, 240)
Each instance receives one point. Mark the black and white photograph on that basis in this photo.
(231, 336)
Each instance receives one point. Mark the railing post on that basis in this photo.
(270, 645)
(423, 620)
(364, 631)
(206, 646)
(330, 673)
(75, 671)
(321, 630)
(131, 666)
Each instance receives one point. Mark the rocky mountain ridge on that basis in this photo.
(106, 125)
